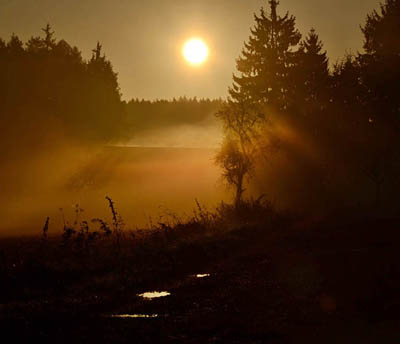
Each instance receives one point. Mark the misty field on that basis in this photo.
(146, 183)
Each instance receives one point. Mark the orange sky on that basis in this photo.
(143, 39)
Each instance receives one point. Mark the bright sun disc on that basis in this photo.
(195, 51)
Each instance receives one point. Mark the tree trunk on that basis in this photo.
(239, 191)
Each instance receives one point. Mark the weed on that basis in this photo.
(46, 228)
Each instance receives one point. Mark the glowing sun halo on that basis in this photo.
(195, 51)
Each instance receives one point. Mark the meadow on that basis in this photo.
(248, 275)
(146, 183)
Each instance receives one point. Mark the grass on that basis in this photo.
(274, 277)
(105, 256)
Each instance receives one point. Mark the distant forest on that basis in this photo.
(296, 127)
(147, 115)
(49, 94)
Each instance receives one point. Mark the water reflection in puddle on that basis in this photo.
(202, 275)
(127, 316)
(154, 294)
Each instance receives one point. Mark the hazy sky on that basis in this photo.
(144, 38)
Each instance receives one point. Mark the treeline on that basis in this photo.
(312, 135)
(48, 93)
(143, 115)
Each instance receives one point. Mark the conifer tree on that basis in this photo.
(49, 41)
(45, 83)
(382, 30)
(379, 77)
(15, 45)
(3, 45)
(267, 62)
(266, 82)
(313, 69)
(105, 97)
(380, 64)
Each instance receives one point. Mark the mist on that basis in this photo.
(69, 141)
(158, 173)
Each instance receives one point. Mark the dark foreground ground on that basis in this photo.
(300, 282)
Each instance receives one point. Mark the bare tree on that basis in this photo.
(236, 167)
(236, 156)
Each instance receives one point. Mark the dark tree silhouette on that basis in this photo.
(144, 115)
(266, 82)
(314, 74)
(340, 126)
(381, 60)
(49, 40)
(380, 75)
(49, 92)
(242, 121)
(266, 66)
(236, 165)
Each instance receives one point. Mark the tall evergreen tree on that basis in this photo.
(47, 86)
(381, 31)
(49, 40)
(379, 77)
(267, 63)
(313, 70)
(104, 97)
(266, 82)
(15, 45)
(380, 64)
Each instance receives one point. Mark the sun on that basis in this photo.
(195, 51)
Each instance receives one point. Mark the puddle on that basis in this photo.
(127, 316)
(154, 294)
(202, 275)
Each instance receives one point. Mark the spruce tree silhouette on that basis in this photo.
(266, 65)
(349, 117)
(381, 60)
(314, 74)
(265, 83)
(380, 75)
(47, 87)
